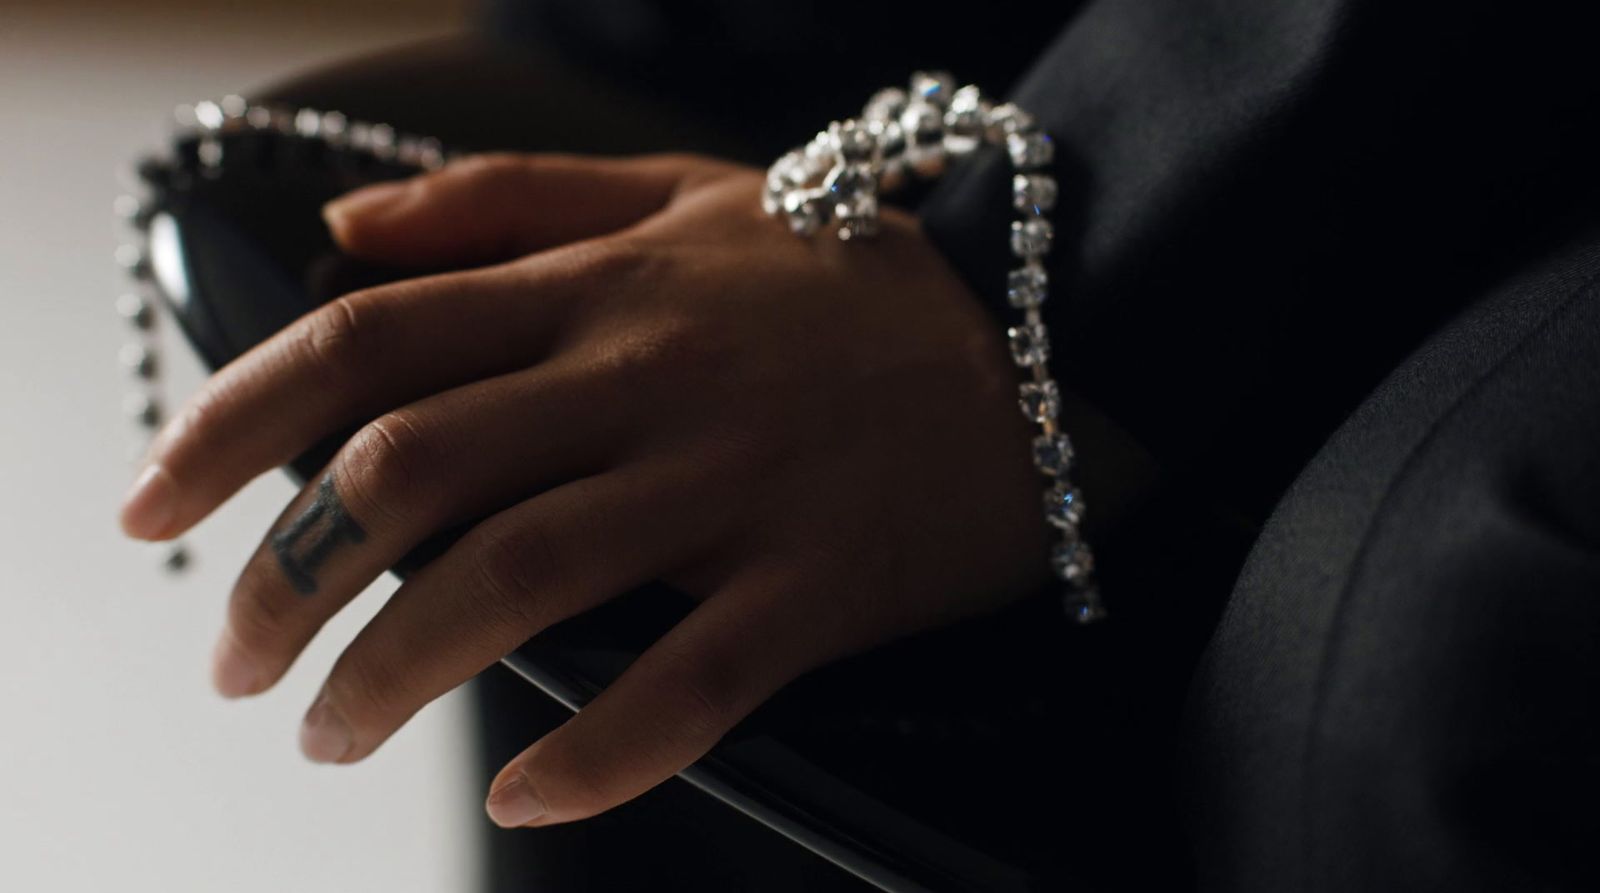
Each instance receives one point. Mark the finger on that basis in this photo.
(425, 467)
(533, 565)
(497, 207)
(347, 362)
(676, 701)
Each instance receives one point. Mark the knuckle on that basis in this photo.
(509, 569)
(366, 683)
(704, 692)
(387, 463)
(334, 337)
(260, 620)
(482, 170)
(669, 353)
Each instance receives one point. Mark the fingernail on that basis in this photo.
(514, 804)
(325, 736)
(233, 674)
(151, 502)
(364, 202)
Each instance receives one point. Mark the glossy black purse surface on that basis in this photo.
(932, 763)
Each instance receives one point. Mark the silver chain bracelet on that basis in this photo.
(837, 178)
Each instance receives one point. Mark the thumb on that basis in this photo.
(489, 208)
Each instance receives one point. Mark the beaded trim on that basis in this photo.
(837, 178)
(198, 146)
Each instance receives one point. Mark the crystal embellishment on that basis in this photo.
(1040, 401)
(1030, 344)
(851, 140)
(1007, 119)
(1083, 606)
(1052, 453)
(1063, 506)
(1072, 561)
(804, 212)
(1030, 151)
(935, 87)
(1032, 237)
(1027, 287)
(1033, 193)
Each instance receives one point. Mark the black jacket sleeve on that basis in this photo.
(1267, 203)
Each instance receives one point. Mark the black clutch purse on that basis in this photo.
(949, 761)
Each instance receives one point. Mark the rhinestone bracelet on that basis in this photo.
(838, 177)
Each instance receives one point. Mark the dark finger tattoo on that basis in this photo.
(307, 541)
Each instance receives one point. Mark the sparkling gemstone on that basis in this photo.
(308, 122)
(965, 121)
(333, 127)
(1030, 344)
(383, 137)
(359, 136)
(851, 140)
(923, 124)
(933, 86)
(408, 151)
(1040, 401)
(1072, 561)
(209, 152)
(136, 310)
(283, 120)
(175, 559)
(772, 197)
(1083, 606)
(1052, 453)
(432, 154)
(790, 168)
(805, 210)
(1030, 151)
(890, 136)
(1007, 119)
(886, 105)
(208, 115)
(969, 98)
(1027, 287)
(1063, 506)
(1033, 193)
(127, 207)
(143, 409)
(138, 359)
(1031, 238)
(859, 221)
(848, 182)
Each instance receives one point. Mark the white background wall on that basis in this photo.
(119, 769)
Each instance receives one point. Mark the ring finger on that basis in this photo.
(414, 471)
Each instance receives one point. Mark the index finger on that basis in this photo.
(344, 363)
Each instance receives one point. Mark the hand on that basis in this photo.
(649, 380)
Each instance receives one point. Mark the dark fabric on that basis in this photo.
(1404, 692)
(1267, 205)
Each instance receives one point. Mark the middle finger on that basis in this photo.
(416, 470)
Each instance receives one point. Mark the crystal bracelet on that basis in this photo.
(838, 177)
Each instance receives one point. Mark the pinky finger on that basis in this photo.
(677, 700)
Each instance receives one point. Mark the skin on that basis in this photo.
(635, 376)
